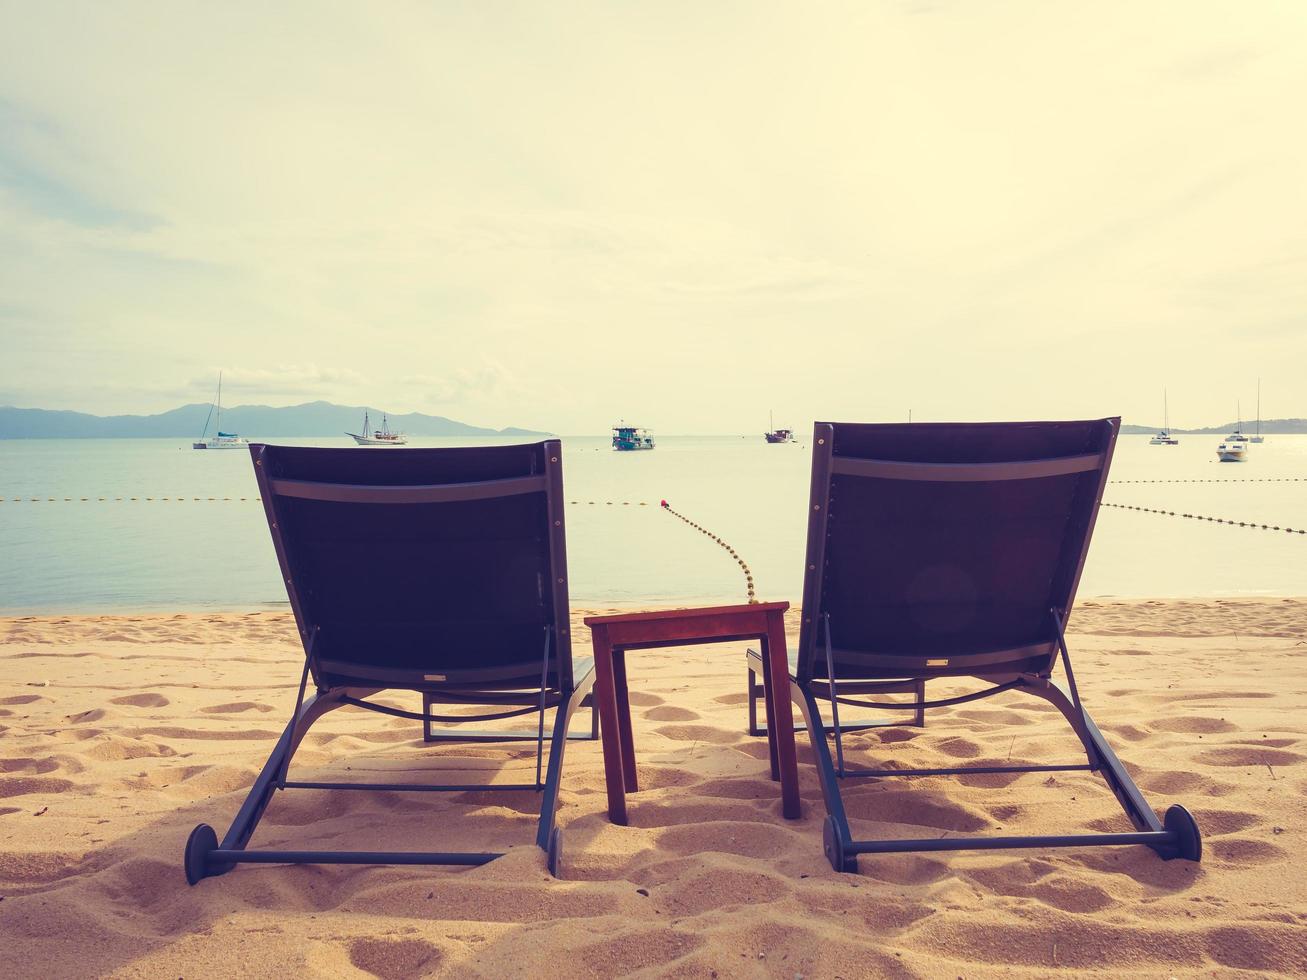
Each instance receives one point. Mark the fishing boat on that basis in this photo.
(378, 437)
(774, 435)
(627, 438)
(1258, 436)
(221, 440)
(1231, 450)
(1164, 438)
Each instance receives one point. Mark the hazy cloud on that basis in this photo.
(568, 213)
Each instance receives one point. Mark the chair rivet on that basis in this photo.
(821, 442)
(553, 459)
(560, 581)
(816, 506)
(556, 524)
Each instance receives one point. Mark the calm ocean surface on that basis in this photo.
(154, 555)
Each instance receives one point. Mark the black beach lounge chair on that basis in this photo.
(439, 571)
(953, 551)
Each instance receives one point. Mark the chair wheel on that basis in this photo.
(198, 847)
(833, 845)
(554, 855)
(1189, 841)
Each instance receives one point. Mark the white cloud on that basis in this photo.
(473, 208)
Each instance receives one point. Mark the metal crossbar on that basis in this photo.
(964, 770)
(1176, 836)
(418, 787)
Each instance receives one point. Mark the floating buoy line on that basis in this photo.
(748, 575)
(1232, 479)
(1201, 517)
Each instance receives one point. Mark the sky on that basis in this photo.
(685, 214)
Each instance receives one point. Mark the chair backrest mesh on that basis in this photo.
(424, 587)
(952, 562)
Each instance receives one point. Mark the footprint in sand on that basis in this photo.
(738, 697)
(1244, 850)
(642, 699)
(1247, 755)
(633, 951)
(1214, 822)
(21, 699)
(720, 888)
(237, 706)
(37, 766)
(25, 785)
(146, 700)
(1200, 725)
(393, 959)
(699, 733)
(669, 712)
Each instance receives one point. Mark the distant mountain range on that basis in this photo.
(1280, 427)
(252, 421)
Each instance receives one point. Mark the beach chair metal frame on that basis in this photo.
(205, 857)
(1176, 835)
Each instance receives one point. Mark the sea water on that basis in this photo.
(70, 555)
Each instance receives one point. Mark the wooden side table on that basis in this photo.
(614, 635)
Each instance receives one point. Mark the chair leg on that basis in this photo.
(752, 691)
(548, 837)
(203, 839)
(1175, 836)
(836, 836)
(772, 751)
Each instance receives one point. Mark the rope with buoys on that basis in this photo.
(1232, 479)
(1200, 517)
(748, 575)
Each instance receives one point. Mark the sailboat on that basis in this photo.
(1164, 438)
(222, 440)
(379, 437)
(1258, 436)
(775, 435)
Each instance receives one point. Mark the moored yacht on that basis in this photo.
(220, 440)
(1164, 438)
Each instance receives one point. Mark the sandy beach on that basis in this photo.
(120, 733)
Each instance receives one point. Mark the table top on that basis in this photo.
(685, 614)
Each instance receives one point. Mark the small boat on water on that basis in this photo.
(1231, 450)
(221, 440)
(774, 435)
(379, 437)
(1164, 438)
(627, 438)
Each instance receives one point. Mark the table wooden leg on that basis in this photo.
(781, 714)
(605, 699)
(624, 722)
(771, 716)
